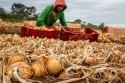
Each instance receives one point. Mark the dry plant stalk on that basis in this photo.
(1, 67)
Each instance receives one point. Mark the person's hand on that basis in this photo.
(53, 14)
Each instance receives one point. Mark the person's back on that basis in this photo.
(52, 13)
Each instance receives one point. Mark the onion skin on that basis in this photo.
(42, 59)
(118, 52)
(24, 71)
(63, 75)
(38, 69)
(64, 63)
(53, 66)
(33, 57)
(122, 76)
(15, 58)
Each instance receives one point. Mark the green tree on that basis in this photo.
(18, 9)
(33, 17)
(78, 21)
(92, 26)
(83, 24)
(89, 25)
(30, 11)
(101, 26)
(21, 11)
(2, 13)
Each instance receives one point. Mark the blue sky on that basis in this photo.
(110, 12)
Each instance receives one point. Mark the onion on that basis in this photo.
(64, 62)
(77, 60)
(116, 58)
(81, 31)
(56, 28)
(90, 60)
(121, 74)
(0, 20)
(24, 70)
(42, 59)
(53, 66)
(63, 75)
(32, 23)
(26, 23)
(43, 28)
(68, 75)
(118, 52)
(38, 69)
(15, 58)
(17, 77)
(98, 60)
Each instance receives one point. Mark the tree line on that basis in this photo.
(19, 12)
(84, 24)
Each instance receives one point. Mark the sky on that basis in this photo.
(109, 12)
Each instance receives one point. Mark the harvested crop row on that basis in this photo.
(49, 60)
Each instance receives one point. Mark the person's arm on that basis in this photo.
(42, 16)
(52, 18)
(62, 20)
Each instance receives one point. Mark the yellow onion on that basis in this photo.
(24, 70)
(90, 60)
(118, 52)
(81, 31)
(99, 60)
(15, 58)
(36, 28)
(32, 23)
(63, 75)
(26, 23)
(116, 58)
(43, 28)
(121, 74)
(0, 20)
(53, 66)
(38, 69)
(42, 59)
(64, 62)
(70, 74)
(56, 28)
(77, 60)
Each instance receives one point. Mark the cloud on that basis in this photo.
(110, 12)
(97, 11)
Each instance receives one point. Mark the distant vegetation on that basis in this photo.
(84, 24)
(19, 12)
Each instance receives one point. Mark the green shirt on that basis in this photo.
(44, 17)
